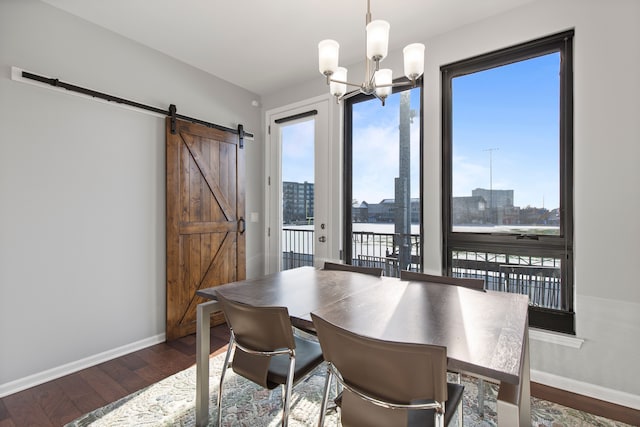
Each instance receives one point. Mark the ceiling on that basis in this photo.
(263, 45)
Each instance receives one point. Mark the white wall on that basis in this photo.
(606, 179)
(82, 205)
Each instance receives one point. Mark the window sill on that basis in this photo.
(555, 338)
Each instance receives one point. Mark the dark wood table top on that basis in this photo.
(484, 332)
(302, 290)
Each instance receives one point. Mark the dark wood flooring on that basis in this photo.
(58, 402)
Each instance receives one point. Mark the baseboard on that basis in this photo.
(69, 368)
(555, 338)
(586, 389)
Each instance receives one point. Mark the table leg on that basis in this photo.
(203, 324)
(514, 401)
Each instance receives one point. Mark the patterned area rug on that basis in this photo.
(171, 402)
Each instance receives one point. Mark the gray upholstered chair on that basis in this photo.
(387, 383)
(374, 271)
(265, 349)
(466, 282)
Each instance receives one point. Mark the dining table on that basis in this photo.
(485, 332)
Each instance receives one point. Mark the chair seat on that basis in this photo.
(308, 356)
(425, 417)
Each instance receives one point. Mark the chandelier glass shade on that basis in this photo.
(378, 82)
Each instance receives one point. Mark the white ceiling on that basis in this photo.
(264, 45)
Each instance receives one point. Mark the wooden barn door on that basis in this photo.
(205, 218)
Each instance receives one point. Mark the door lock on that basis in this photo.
(322, 239)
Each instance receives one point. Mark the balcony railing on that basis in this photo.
(537, 277)
(297, 248)
(382, 250)
(367, 248)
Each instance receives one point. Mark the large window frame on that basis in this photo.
(347, 254)
(556, 246)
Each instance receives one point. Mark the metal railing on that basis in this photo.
(381, 250)
(367, 248)
(297, 248)
(537, 277)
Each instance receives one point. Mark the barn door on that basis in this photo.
(205, 218)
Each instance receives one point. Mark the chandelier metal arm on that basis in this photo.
(408, 82)
(413, 83)
(378, 82)
(354, 93)
(347, 95)
(332, 80)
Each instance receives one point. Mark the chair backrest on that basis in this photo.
(390, 371)
(374, 271)
(446, 280)
(260, 329)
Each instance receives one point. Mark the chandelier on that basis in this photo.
(378, 82)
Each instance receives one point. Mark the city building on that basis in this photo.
(495, 207)
(469, 210)
(297, 202)
(384, 211)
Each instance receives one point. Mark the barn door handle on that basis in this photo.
(242, 225)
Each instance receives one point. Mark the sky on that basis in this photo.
(376, 148)
(505, 137)
(297, 152)
(506, 131)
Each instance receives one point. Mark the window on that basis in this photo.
(507, 144)
(382, 185)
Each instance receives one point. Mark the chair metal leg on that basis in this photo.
(289, 389)
(325, 397)
(224, 370)
(481, 397)
(461, 406)
(332, 405)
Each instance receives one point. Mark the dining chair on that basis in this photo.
(265, 350)
(466, 282)
(387, 383)
(456, 281)
(373, 271)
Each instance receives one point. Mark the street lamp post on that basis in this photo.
(491, 150)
